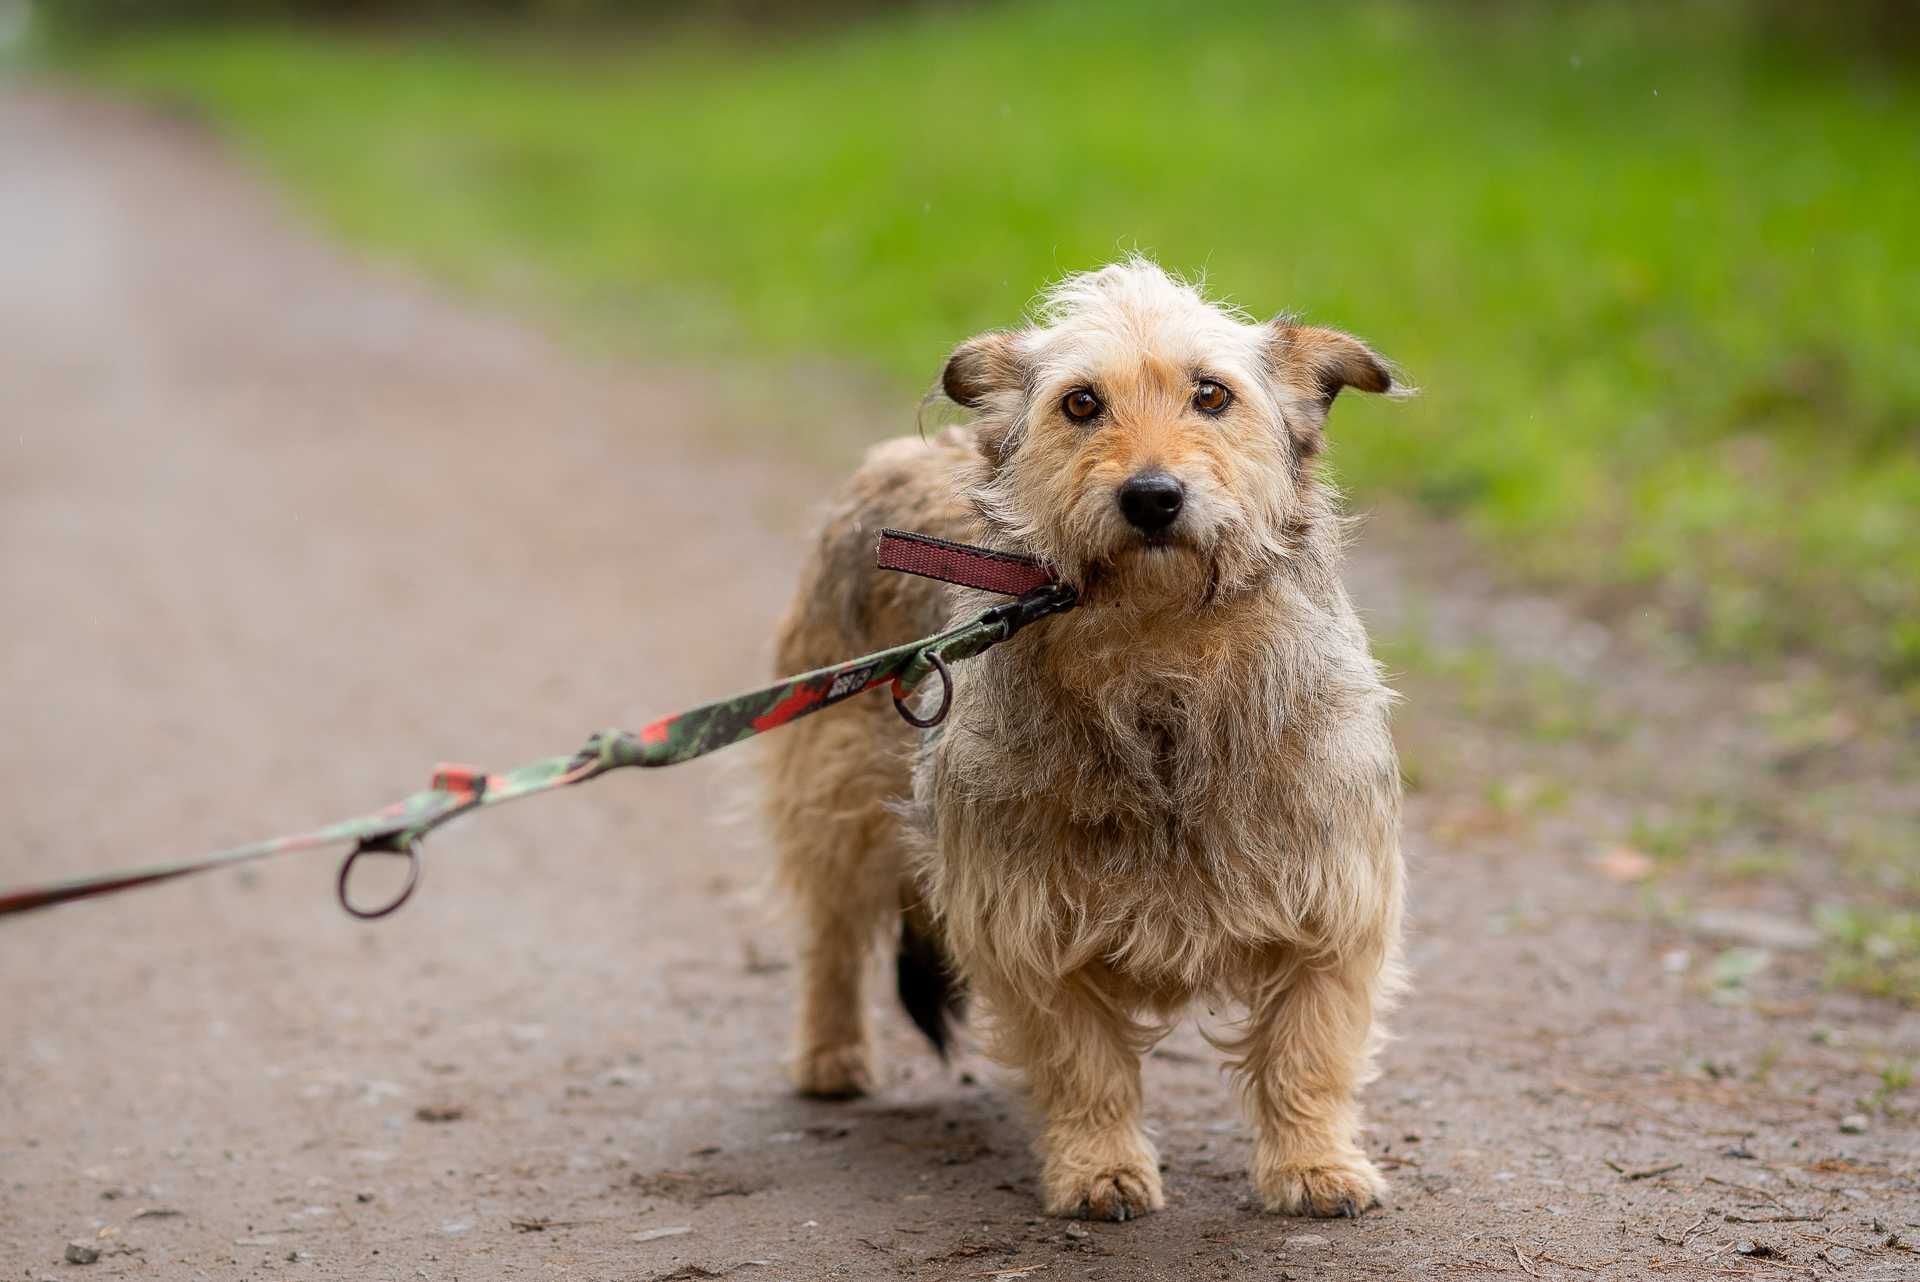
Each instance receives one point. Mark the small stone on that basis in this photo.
(82, 1253)
(1078, 1231)
(1853, 1124)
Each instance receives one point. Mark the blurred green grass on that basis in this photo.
(1658, 273)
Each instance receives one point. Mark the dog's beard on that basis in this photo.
(1152, 574)
(1183, 570)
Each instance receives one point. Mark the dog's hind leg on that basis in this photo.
(834, 777)
(839, 857)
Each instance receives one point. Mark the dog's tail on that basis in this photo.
(924, 979)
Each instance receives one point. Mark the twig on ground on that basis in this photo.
(1545, 1258)
(1521, 1256)
(1685, 1233)
(1731, 1218)
(1646, 1174)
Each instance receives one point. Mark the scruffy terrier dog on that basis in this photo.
(1184, 789)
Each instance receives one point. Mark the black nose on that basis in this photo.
(1151, 500)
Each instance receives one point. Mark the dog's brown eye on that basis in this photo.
(1209, 397)
(1080, 404)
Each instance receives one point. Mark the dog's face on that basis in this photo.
(1151, 444)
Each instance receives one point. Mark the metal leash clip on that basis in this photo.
(1050, 598)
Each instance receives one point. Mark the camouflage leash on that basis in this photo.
(398, 829)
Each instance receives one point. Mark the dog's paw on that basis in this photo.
(1342, 1186)
(1120, 1193)
(834, 1072)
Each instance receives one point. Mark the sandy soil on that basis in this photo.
(279, 529)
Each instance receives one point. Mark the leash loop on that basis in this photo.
(939, 714)
(404, 844)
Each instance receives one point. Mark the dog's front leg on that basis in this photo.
(1302, 1058)
(1081, 1052)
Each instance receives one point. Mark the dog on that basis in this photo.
(1183, 789)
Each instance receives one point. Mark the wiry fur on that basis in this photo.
(1183, 789)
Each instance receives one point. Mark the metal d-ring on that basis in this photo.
(411, 851)
(939, 665)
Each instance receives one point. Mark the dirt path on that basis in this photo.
(276, 530)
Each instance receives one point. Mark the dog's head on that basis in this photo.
(1153, 445)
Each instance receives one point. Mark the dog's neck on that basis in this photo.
(1149, 719)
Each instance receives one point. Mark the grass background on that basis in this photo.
(1657, 268)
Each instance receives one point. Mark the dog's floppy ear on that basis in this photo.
(1327, 360)
(1319, 363)
(981, 366)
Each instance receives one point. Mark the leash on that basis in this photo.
(455, 790)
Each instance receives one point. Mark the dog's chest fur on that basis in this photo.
(1150, 801)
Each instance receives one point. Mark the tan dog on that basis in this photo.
(1183, 789)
